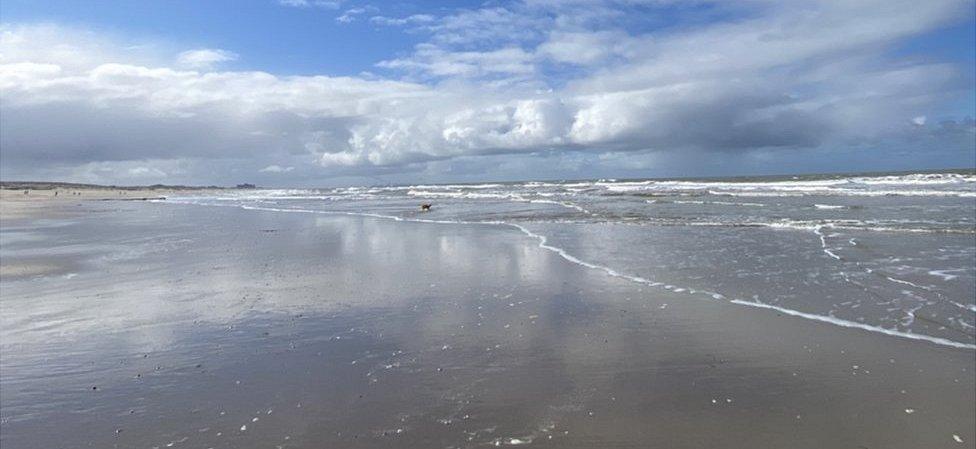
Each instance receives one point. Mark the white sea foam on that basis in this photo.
(727, 203)
(948, 184)
(918, 179)
(933, 184)
(841, 192)
(823, 242)
(458, 194)
(561, 203)
(909, 283)
(754, 194)
(856, 325)
(944, 274)
(809, 225)
(969, 307)
(505, 196)
(721, 203)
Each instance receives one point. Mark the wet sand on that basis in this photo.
(221, 327)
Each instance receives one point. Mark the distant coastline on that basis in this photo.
(54, 185)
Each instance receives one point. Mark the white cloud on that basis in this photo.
(328, 4)
(536, 77)
(585, 48)
(496, 26)
(142, 172)
(276, 169)
(204, 58)
(436, 62)
(352, 14)
(399, 21)
(146, 172)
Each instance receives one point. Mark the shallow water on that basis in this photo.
(895, 253)
(173, 325)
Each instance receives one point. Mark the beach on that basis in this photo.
(183, 324)
(568, 224)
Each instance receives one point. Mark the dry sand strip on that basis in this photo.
(47, 200)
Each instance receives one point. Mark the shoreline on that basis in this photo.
(227, 327)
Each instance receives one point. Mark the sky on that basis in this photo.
(306, 93)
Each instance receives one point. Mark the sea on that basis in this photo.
(892, 253)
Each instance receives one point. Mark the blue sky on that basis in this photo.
(272, 37)
(320, 92)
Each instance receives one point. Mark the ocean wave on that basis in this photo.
(798, 192)
(932, 184)
(463, 195)
(503, 196)
(720, 203)
(944, 184)
(919, 179)
(917, 184)
(786, 224)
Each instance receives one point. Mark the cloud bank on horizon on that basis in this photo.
(556, 88)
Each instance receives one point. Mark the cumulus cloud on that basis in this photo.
(550, 79)
(204, 58)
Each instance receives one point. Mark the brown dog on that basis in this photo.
(425, 207)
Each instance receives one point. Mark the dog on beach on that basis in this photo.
(425, 207)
